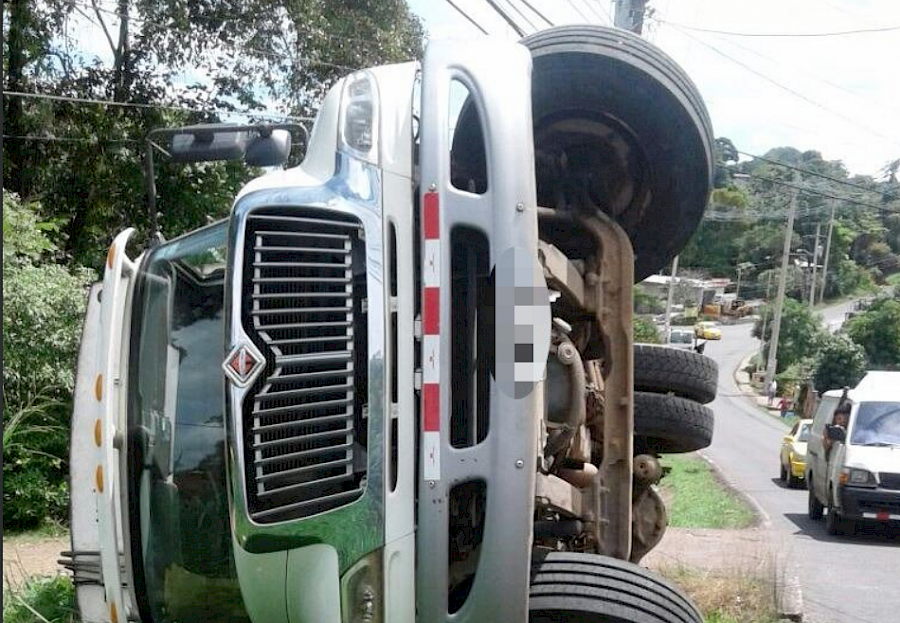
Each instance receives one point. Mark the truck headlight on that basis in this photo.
(857, 477)
(359, 117)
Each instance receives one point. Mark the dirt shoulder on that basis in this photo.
(28, 555)
(712, 550)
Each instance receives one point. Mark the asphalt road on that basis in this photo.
(850, 579)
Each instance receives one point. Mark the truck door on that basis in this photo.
(478, 442)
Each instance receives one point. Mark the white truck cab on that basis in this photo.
(396, 384)
(858, 477)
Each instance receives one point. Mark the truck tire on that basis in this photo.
(814, 508)
(569, 587)
(658, 129)
(682, 372)
(666, 424)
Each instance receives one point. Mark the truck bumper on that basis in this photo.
(876, 504)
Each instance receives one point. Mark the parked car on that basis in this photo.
(707, 330)
(793, 453)
(681, 338)
(858, 478)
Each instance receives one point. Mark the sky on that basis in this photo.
(839, 95)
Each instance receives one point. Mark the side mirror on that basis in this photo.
(269, 150)
(787, 439)
(207, 143)
(836, 433)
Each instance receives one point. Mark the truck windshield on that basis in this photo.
(877, 424)
(181, 541)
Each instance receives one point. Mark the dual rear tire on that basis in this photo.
(672, 388)
(587, 588)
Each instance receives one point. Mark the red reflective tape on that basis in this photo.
(431, 223)
(882, 515)
(431, 312)
(431, 407)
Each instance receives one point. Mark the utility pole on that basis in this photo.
(815, 264)
(827, 250)
(762, 334)
(782, 278)
(630, 15)
(668, 325)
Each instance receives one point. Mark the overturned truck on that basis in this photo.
(398, 383)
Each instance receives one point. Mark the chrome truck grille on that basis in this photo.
(304, 432)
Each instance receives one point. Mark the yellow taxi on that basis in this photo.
(707, 330)
(793, 453)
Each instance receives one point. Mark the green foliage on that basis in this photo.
(799, 336)
(43, 307)
(840, 363)
(877, 330)
(645, 331)
(44, 600)
(646, 303)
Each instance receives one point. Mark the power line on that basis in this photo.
(538, 13)
(813, 191)
(782, 86)
(814, 173)
(506, 18)
(835, 85)
(232, 46)
(591, 8)
(779, 34)
(85, 100)
(521, 14)
(203, 18)
(605, 11)
(577, 10)
(68, 139)
(466, 15)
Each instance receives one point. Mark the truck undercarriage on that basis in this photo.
(399, 382)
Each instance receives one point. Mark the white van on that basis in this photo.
(860, 477)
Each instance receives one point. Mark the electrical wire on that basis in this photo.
(217, 111)
(536, 12)
(466, 15)
(815, 174)
(813, 191)
(808, 73)
(68, 139)
(571, 3)
(606, 12)
(521, 14)
(795, 34)
(793, 92)
(512, 24)
(590, 7)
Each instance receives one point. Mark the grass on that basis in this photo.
(698, 499)
(893, 280)
(48, 529)
(40, 600)
(736, 596)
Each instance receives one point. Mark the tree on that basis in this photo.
(645, 331)
(800, 333)
(646, 303)
(253, 55)
(840, 363)
(877, 330)
(43, 308)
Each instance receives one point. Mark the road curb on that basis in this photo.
(790, 597)
(788, 590)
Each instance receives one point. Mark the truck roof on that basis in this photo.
(876, 385)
